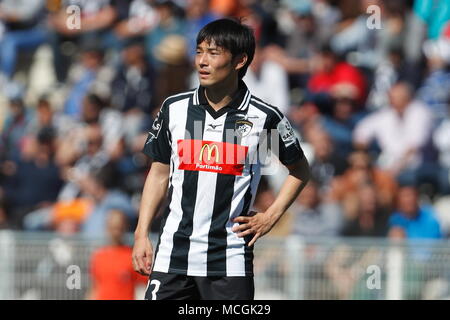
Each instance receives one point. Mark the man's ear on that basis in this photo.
(240, 60)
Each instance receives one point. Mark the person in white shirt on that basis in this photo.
(268, 80)
(400, 130)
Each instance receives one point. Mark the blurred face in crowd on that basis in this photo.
(367, 199)
(320, 142)
(90, 111)
(91, 59)
(92, 187)
(116, 225)
(164, 12)
(343, 108)
(305, 22)
(216, 65)
(197, 8)
(44, 113)
(94, 139)
(359, 160)
(400, 97)
(16, 108)
(408, 201)
(133, 54)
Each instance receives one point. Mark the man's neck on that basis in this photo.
(221, 95)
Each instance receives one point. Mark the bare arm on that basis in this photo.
(103, 19)
(262, 222)
(154, 192)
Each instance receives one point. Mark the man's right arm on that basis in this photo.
(154, 192)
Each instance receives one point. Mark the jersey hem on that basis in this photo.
(208, 274)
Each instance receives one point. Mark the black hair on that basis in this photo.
(231, 35)
(96, 100)
(46, 135)
(106, 175)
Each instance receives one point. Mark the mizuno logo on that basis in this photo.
(214, 126)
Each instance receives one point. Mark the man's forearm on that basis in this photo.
(152, 196)
(291, 188)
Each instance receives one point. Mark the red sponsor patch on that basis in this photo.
(211, 156)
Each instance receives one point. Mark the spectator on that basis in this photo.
(330, 76)
(368, 47)
(417, 221)
(315, 217)
(198, 15)
(326, 163)
(83, 78)
(441, 139)
(360, 173)
(97, 16)
(435, 89)
(434, 14)
(14, 128)
(401, 132)
(341, 122)
(95, 112)
(387, 73)
(174, 71)
(169, 24)
(111, 270)
(87, 156)
(269, 81)
(35, 179)
(25, 30)
(100, 186)
(132, 88)
(135, 19)
(369, 218)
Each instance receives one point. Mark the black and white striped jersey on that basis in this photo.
(216, 159)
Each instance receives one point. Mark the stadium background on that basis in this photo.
(368, 99)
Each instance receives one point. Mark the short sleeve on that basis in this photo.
(287, 147)
(158, 145)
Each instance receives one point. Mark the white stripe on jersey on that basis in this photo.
(177, 122)
(204, 205)
(235, 248)
(245, 100)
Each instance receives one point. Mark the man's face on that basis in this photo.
(408, 201)
(400, 97)
(214, 64)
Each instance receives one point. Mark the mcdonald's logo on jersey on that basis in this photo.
(211, 156)
(210, 149)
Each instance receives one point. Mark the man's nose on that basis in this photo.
(203, 60)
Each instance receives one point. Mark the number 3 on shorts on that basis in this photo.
(157, 284)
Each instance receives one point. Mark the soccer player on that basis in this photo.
(205, 145)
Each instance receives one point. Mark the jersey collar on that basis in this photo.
(240, 100)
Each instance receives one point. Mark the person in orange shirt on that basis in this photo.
(112, 273)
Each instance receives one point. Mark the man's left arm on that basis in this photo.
(261, 223)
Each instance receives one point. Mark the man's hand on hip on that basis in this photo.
(142, 255)
(256, 223)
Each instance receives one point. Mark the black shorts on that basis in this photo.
(169, 286)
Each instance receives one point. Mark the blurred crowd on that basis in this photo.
(81, 81)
